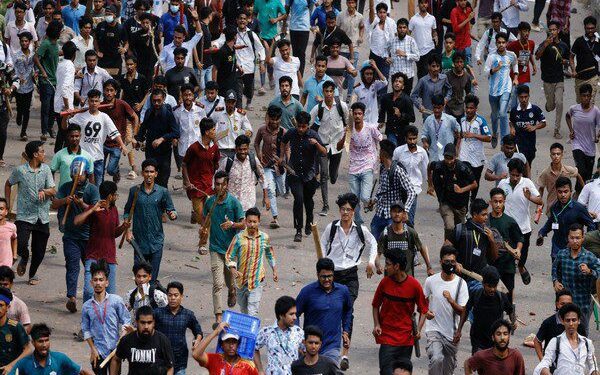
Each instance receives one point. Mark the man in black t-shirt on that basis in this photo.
(312, 363)
(586, 49)
(225, 65)
(324, 40)
(140, 44)
(552, 326)
(487, 305)
(180, 74)
(525, 120)
(147, 350)
(553, 55)
(110, 42)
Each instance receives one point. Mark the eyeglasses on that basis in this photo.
(326, 277)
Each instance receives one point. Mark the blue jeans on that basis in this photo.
(205, 76)
(275, 184)
(333, 354)
(412, 212)
(392, 138)
(74, 251)
(112, 156)
(180, 372)
(349, 79)
(499, 106)
(249, 300)
(378, 224)
(88, 291)
(47, 106)
(98, 172)
(473, 286)
(467, 52)
(361, 185)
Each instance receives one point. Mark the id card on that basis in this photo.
(477, 251)
(439, 145)
(554, 226)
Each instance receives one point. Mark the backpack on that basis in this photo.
(557, 353)
(155, 285)
(252, 159)
(410, 237)
(359, 231)
(320, 110)
(213, 108)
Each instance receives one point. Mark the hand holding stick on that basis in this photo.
(73, 188)
(130, 218)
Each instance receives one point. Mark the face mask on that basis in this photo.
(109, 19)
(448, 268)
(174, 8)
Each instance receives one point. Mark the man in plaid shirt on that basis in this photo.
(404, 52)
(576, 270)
(389, 192)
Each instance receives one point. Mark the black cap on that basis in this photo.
(398, 204)
(111, 8)
(450, 150)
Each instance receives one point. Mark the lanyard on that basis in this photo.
(438, 127)
(476, 238)
(91, 84)
(285, 348)
(325, 36)
(561, 211)
(103, 319)
(347, 240)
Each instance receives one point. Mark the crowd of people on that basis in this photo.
(176, 80)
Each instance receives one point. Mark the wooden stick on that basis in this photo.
(75, 183)
(317, 239)
(130, 218)
(108, 358)
(501, 287)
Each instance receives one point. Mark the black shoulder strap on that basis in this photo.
(228, 165)
(153, 303)
(557, 351)
(213, 107)
(320, 111)
(252, 158)
(251, 36)
(332, 233)
(132, 298)
(361, 237)
(454, 315)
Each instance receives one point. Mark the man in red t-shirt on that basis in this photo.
(460, 17)
(500, 359)
(524, 49)
(121, 113)
(104, 228)
(393, 307)
(229, 362)
(198, 167)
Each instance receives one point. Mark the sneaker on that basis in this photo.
(536, 28)
(131, 175)
(298, 237)
(557, 135)
(51, 134)
(72, 305)
(274, 224)
(44, 137)
(494, 141)
(261, 91)
(24, 137)
(344, 363)
(324, 211)
(308, 230)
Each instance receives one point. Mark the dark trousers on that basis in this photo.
(47, 107)
(147, 71)
(246, 87)
(509, 281)
(349, 278)
(178, 158)
(330, 165)
(23, 109)
(299, 41)
(585, 165)
(408, 86)
(303, 193)
(39, 234)
(74, 254)
(361, 6)
(61, 135)
(3, 133)
(525, 249)
(422, 69)
(477, 173)
(529, 154)
(538, 8)
(384, 68)
(389, 354)
(100, 371)
(164, 167)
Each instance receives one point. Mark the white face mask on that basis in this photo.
(174, 8)
(109, 19)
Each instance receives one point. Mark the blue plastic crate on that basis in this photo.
(246, 327)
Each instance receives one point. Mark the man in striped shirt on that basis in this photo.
(245, 259)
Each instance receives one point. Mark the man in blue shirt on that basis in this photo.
(174, 320)
(172, 18)
(152, 201)
(325, 304)
(313, 86)
(563, 213)
(72, 14)
(43, 361)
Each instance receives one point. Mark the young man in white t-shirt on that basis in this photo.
(96, 127)
(423, 28)
(286, 65)
(447, 294)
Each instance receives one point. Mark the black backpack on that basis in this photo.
(153, 286)
(359, 231)
(252, 159)
(557, 353)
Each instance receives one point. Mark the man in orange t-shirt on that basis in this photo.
(461, 26)
(230, 361)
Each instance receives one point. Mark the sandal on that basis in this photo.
(33, 281)
(131, 175)
(202, 250)
(231, 299)
(21, 268)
